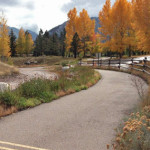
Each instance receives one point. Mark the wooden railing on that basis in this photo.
(133, 64)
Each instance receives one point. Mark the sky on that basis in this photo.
(44, 14)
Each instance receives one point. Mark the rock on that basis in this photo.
(65, 68)
(28, 63)
(3, 86)
(35, 62)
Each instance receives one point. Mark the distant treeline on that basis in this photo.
(46, 44)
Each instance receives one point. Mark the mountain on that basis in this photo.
(58, 29)
(16, 32)
(61, 27)
(97, 25)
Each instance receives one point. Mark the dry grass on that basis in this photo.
(41, 60)
(4, 111)
(6, 69)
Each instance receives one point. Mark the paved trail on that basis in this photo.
(81, 121)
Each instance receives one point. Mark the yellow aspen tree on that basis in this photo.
(130, 36)
(120, 25)
(141, 10)
(71, 27)
(28, 43)
(94, 44)
(21, 42)
(106, 24)
(4, 38)
(86, 28)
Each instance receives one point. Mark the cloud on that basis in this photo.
(29, 5)
(32, 27)
(9, 2)
(92, 6)
(17, 3)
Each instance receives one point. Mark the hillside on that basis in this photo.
(61, 27)
(16, 31)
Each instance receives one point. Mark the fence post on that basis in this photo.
(93, 61)
(101, 62)
(109, 62)
(80, 62)
(119, 64)
(144, 66)
(132, 64)
(98, 59)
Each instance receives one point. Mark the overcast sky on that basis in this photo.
(45, 14)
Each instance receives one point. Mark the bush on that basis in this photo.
(64, 63)
(34, 88)
(8, 98)
(32, 102)
(47, 97)
(136, 132)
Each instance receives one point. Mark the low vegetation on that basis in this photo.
(135, 134)
(42, 60)
(6, 69)
(40, 90)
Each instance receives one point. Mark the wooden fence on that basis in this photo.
(134, 64)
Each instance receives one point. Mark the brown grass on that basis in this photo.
(4, 111)
(6, 69)
(97, 76)
(41, 60)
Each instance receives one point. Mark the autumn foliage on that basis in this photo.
(24, 43)
(4, 38)
(82, 25)
(125, 28)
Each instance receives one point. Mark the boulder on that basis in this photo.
(27, 63)
(65, 68)
(3, 86)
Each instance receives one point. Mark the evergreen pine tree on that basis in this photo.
(12, 43)
(38, 50)
(62, 43)
(75, 44)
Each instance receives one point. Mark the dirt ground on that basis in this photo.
(27, 74)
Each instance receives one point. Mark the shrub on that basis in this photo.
(136, 132)
(34, 88)
(64, 63)
(47, 97)
(8, 98)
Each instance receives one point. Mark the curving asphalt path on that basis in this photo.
(81, 121)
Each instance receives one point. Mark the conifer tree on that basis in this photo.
(62, 42)
(38, 50)
(12, 43)
(75, 44)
